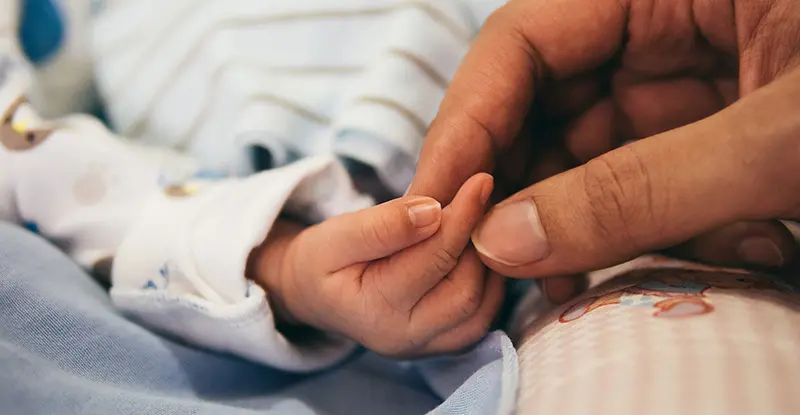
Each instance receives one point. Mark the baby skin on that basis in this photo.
(388, 277)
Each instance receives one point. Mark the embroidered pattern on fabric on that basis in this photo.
(164, 272)
(671, 296)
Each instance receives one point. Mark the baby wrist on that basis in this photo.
(270, 267)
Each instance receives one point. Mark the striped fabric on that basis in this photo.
(359, 78)
(8, 21)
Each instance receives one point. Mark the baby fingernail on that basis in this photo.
(512, 235)
(425, 213)
(760, 250)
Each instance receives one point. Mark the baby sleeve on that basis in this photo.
(177, 241)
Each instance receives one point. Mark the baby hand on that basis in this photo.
(389, 277)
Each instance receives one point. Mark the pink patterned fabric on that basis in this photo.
(666, 337)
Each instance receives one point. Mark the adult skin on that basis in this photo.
(708, 91)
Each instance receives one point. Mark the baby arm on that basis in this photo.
(178, 243)
(388, 276)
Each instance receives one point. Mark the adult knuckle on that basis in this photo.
(602, 189)
(620, 195)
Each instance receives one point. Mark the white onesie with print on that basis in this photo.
(179, 240)
(313, 80)
(359, 79)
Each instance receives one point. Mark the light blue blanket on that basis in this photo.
(65, 350)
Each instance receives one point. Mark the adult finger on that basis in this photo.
(655, 192)
(593, 133)
(485, 106)
(759, 244)
(561, 289)
(376, 232)
(406, 276)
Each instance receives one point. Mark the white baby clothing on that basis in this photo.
(361, 79)
(179, 240)
(315, 81)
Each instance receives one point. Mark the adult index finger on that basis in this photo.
(520, 45)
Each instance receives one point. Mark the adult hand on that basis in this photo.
(585, 76)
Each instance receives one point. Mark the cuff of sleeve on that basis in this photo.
(395, 168)
(181, 270)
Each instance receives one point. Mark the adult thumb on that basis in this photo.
(647, 195)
